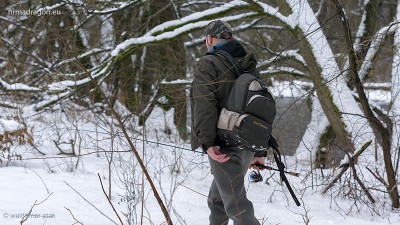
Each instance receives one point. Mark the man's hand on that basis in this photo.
(257, 160)
(216, 155)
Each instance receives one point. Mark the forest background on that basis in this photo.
(110, 78)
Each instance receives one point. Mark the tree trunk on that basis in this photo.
(165, 61)
(325, 97)
(375, 123)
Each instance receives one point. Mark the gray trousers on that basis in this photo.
(227, 198)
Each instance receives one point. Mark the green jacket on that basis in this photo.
(212, 83)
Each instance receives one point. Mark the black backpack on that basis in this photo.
(246, 120)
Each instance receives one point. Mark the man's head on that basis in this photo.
(217, 31)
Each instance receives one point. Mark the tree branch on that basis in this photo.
(352, 161)
(109, 200)
(90, 203)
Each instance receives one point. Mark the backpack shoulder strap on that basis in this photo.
(281, 167)
(224, 56)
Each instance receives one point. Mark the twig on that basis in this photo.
(37, 149)
(70, 156)
(48, 192)
(361, 183)
(194, 190)
(378, 177)
(335, 179)
(91, 203)
(77, 221)
(62, 151)
(102, 187)
(25, 218)
(352, 160)
(6, 105)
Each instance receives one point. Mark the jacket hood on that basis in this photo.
(245, 62)
(234, 48)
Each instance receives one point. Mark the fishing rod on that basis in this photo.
(151, 142)
(165, 144)
(296, 174)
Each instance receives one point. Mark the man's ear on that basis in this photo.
(209, 40)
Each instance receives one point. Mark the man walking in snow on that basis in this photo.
(213, 80)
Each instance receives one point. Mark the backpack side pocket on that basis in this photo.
(253, 130)
(227, 119)
(262, 107)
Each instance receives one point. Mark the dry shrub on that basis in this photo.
(14, 138)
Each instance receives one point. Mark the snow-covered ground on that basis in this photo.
(59, 189)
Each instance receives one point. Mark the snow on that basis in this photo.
(280, 69)
(178, 81)
(375, 45)
(123, 5)
(304, 18)
(361, 28)
(9, 126)
(285, 54)
(308, 146)
(289, 88)
(182, 26)
(197, 16)
(395, 90)
(17, 86)
(66, 84)
(65, 189)
(182, 177)
(53, 7)
(83, 55)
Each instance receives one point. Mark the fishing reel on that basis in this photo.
(255, 176)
